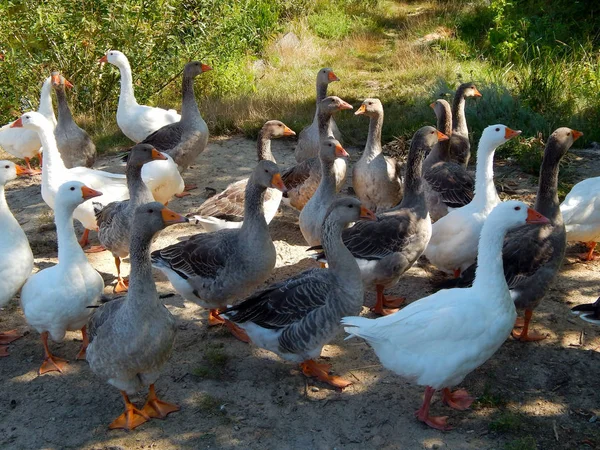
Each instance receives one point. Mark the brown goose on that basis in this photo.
(460, 147)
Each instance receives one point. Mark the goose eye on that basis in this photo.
(517, 208)
(568, 134)
(350, 206)
(497, 129)
(150, 211)
(266, 171)
(6, 167)
(72, 188)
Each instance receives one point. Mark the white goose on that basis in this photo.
(25, 144)
(136, 121)
(55, 300)
(113, 186)
(17, 260)
(438, 340)
(452, 247)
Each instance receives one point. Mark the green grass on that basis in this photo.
(526, 443)
(490, 399)
(214, 363)
(506, 422)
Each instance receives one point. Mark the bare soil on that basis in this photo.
(235, 396)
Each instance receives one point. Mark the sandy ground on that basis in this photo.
(235, 396)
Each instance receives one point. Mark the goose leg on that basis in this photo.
(122, 284)
(589, 255)
(31, 170)
(459, 399)
(51, 363)
(84, 343)
(439, 423)
(385, 306)
(156, 408)
(9, 336)
(526, 335)
(519, 322)
(311, 368)
(131, 418)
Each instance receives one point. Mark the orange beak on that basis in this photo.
(68, 84)
(477, 93)
(288, 131)
(432, 105)
(158, 155)
(22, 170)
(576, 134)
(340, 152)
(535, 217)
(332, 77)
(360, 110)
(205, 67)
(367, 214)
(345, 105)
(277, 183)
(88, 193)
(17, 123)
(441, 136)
(509, 134)
(171, 217)
(104, 59)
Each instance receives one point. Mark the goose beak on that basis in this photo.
(277, 183)
(205, 67)
(345, 105)
(432, 105)
(340, 152)
(17, 123)
(509, 134)
(104, 59)
(68, 84)
(576, 134)
(332, 77)
(288, 131)
(22, 170)
(361, 110)
(441, 136)
(535, 217)
(88, 193)
(477, 93)
(158, 155)
(171, 217)
(367, 214)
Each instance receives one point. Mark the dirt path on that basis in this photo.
(235, 396)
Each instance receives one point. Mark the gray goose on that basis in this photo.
(296, 317)
(74, 145)
(388, 247)
(308, 140)
(226, 209)
(460, 147)
(116, 219)
(212, 268)
(447, 183)
(303, 179)
(532, 255)
(131, 338)
(376, 178)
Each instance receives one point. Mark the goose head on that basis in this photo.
(346, 210)
(267, 175)
(326, 76)
(426, 137)
(560, 141)
(195, 68)
(142, 154)
(371, 107)
(469, 90)
(513, 213)
(58, 81)
(31, 120)
(332, 104)
(275, 129)
(116, 58)
(73, 193)
(9, 171)
(496, 135)
(330, 150)
(441, 108)
(152, 217)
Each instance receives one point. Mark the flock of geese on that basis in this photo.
(503, 255)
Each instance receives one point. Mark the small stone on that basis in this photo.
(236, 428)
(593, 419)
(314, 389)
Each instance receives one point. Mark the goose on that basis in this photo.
(438, 340)
(375, 177)
(452, 245)
(590, 312)
(459, 145)
(312, 215)
(448, 185)
(115, 220)
(55, 300)
(386, 248)
(309, 138)
(211, 268)
(74, 144)
(226, 209)
(581, 213)
(131, 338)
(25, 144)
(136, 121)
(16, 263)
(113, 186)
(303, 179)
(533, 255)
(295, 318)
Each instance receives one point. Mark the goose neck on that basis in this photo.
(142, 293)
(485, 191)
(64, 112)
(373, 146)
(339, 258)
(321, 90)
(324, 122)
(489, 275)
(547, 202)
(127, 96)
(54, 166)
(327, 185)
(413, 185)
(459, 121)
(189, 106)
(254, 215)
(263, 147)
(45, 107)
(139, 193)
(69, 250)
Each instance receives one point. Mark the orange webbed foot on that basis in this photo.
(311, 368)
(182, 194)
(130, 419)
(393, 303)
(189, 187)
(121, 286)
(9, 336)
(519, 323)
(95, 249)
(157, 409)
(459, 399)
(237, 331)
(529, 336)
(214, 318)
(380, 311)
(437, 422)
(52, 364)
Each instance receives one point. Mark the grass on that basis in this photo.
(490, 399)
(526, 443)
(208, 404)
(506, 422)
(215, 361)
